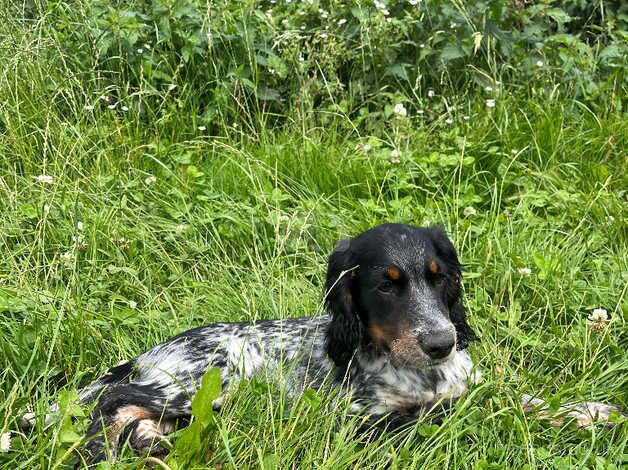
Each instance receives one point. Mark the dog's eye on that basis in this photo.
(385, 286)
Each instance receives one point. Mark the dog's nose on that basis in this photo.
(438, 345)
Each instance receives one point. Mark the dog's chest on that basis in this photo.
(408, 391)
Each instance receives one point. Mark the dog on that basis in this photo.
(395, 338)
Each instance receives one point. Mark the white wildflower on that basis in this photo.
(111, 106)
(202, 128)
(363, 148)
(420, 111)
(301, 58)
(466, 117)
(150, 180)
(46, 179)
(449, 121)
(67, 258)
(610, 220)
(539, 63)
(497, 82)
(469, 211)
(5, 442)
(414, 2)
(140, 51)
(89, 107)
(171, 86)
(400, 110)
(514, 151)
(422, 45)
(79, 225)
(147, 47)
(341, 21)
(124, 108)
(430, 93)
(488, 89)
(525, 271)
(284, 21)
(490, 103)
(132, 304)
(598, 315)
(395, 156)
(103, 98)
(46, 208)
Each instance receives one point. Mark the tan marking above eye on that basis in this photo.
(394, 274)
(433, 267)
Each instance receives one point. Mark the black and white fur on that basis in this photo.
(395, 339)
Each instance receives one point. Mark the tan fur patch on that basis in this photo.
(407, 348)
(393, 273)
(433, 266)
(124, 416)
(379, 334)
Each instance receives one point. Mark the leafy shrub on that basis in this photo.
(294, 58)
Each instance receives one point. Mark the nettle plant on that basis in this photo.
(304, 56)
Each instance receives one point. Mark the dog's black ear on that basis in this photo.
(464, 332)
(345, 329)
(447, 253)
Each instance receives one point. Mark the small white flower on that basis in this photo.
(88, 107)
(400, 110)
(449, 121)
(302, 27)
(422, 45)
(539, 63)
(150, 180)
(514, 151)
(453, 24)
(5, 442)
(301, 58)
(140, 51)
(147, 47)
(284, 21)
(103, 98)
(124, 108)
(488, 89)
(46, 208)
(490, 103)
(469, 211)
(79, 225)
(132, 304)
(525, 271)
(395, 156)
(466, 117)
(341, 21)
(324, 15)
(202, 128)
(420, 111)
(414, 2)
(598, 315)
(46, 179)
(171, 86)
(430, 93)
(497, 82)
(67, 258)
(610, 220)
(111, 106)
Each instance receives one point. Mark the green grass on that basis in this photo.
(237, 226)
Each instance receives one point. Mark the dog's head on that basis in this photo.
(395, 289)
